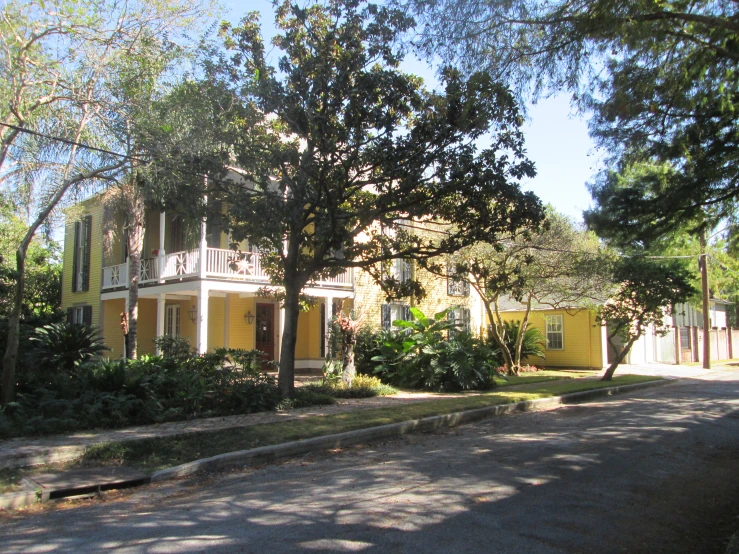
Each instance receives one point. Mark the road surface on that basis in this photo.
(656, 471)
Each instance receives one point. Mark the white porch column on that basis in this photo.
(162, 253)
(280, 329)
(203, 263)
(201, 323)
(160, 319)
(329, 303)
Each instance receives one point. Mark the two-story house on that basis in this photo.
(193, 285)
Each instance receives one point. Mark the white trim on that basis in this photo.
(561, 332)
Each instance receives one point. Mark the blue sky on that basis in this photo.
(558, 144)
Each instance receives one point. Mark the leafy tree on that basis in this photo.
(344, 153)
(58, 57)
(659, 78)
(556, 265)
(647, 291)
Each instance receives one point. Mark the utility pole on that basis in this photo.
(706, 303)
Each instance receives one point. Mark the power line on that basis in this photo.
(68, 141)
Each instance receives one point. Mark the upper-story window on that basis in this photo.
(456, 285)
(81, 261)
(400, 270)
(555, 332)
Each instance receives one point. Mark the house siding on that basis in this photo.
(90, 297)
(582, 338)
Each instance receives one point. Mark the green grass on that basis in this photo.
(540, 376)
(153, 454)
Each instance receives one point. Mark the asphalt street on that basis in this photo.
(655, 471)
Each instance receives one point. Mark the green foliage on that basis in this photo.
(359, 148)
(420, 356)
(532, 343)
(151, 389)
(648, 289)
(362, 386)
(64, 347)
(175, 347)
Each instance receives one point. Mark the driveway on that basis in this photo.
(651, 472)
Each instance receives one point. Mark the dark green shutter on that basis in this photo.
(386, 323)
(87, 315)
(405, 271)
(86, 256)
(75, 261)
(407, 313)
(70, 315)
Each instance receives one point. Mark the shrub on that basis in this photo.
(174, 346)
(533, 340)
(148, 390)
(65, 346)
(423, 359)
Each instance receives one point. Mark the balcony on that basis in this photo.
(220, 264)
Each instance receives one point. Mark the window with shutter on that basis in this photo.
(78, 315)
(455, 284)
(394, 312)
(76, 258)
(461, 317)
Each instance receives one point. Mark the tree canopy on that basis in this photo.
(331, 158)
(659, 78)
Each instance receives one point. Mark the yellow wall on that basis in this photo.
(147, 326)
(240, 335)
(581, 338)
(216, 312)
(90, 297)
(308, 346)
(111, 326)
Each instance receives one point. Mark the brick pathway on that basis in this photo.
(26, 451)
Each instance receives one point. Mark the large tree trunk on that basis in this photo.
(524, 325)
(286, 375)
(135, 217)
(11, 352)
(608, 376)
(349, 370)
(498, 331)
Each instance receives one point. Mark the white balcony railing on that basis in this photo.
(220, 263)
(115, 276)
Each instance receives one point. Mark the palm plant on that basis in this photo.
(66, 346)
(533, 341)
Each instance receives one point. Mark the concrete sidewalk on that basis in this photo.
(29, 451)
(25, 451)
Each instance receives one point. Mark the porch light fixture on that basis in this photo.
(249, 317)
(192, 313)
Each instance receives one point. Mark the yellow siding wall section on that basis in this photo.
(147, 326)
(91, 297)
(581, 338)
(111, 327)
(216, 313)
(240, 335)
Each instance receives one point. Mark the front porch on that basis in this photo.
(212, 314)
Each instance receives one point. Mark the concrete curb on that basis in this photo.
(263, 454)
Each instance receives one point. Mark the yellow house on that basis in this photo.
(573, 338)
(192, 285)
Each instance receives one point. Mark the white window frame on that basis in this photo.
(555, 326)
(172, 321)
(78, 315)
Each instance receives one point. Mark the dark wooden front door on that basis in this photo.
(265, 340)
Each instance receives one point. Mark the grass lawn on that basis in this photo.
(158, 453)
(541, 376)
